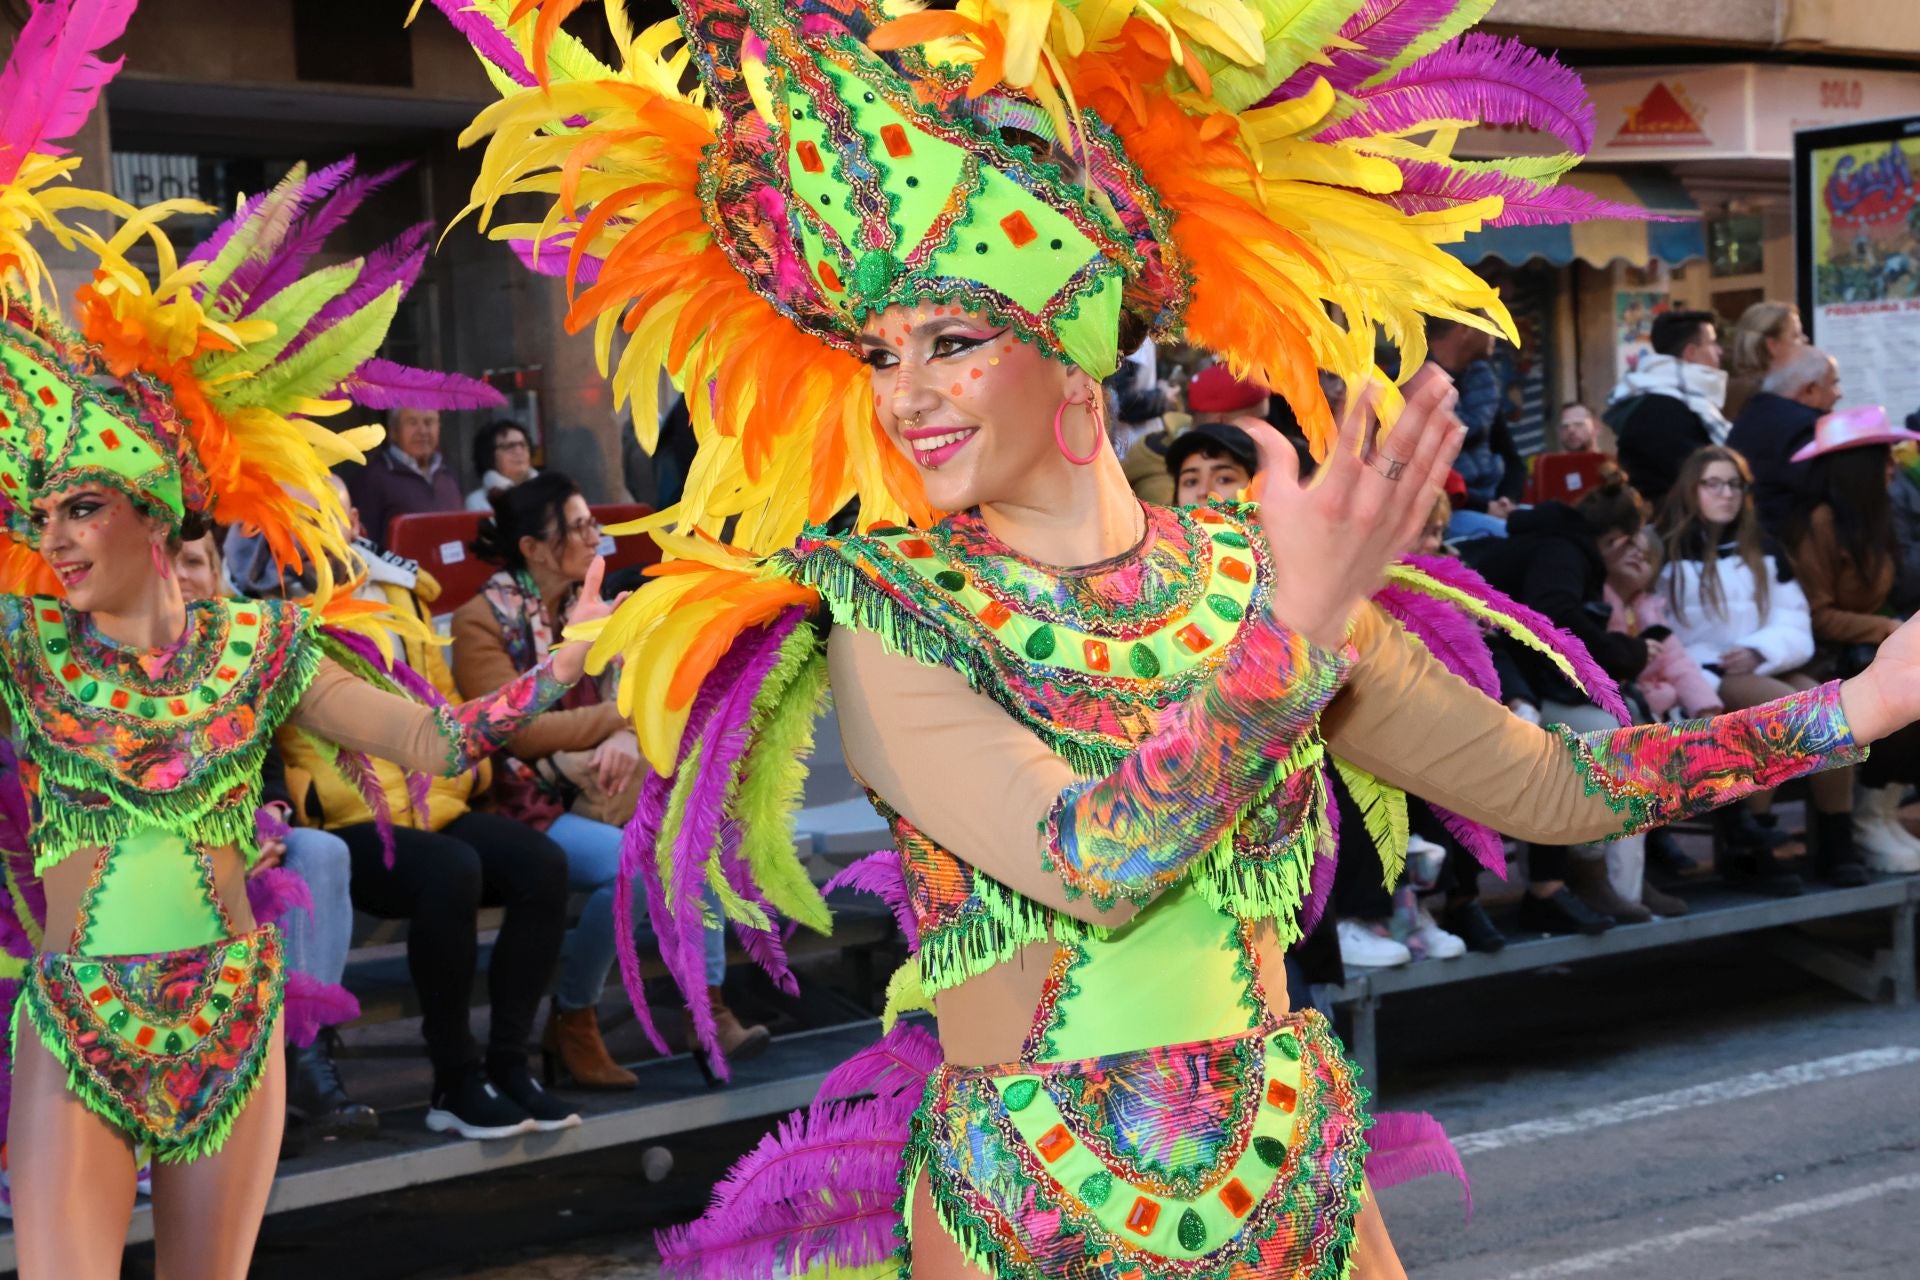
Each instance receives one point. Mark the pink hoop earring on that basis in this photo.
(160, 565)
(1060, 439)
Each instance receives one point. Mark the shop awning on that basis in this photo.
(1601, 241)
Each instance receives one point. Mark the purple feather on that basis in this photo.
(15, 810)
(397, 262)
(1427, 186)
(1599, 686)
(312, 1004)
(1478, 77)
(410, 682)
(550, 258)
(382, 384)
(1381, 29)
(1411, 1144)
(636, 850)
(488, 40)
(359, 773)
(821, 1188)
(257, 282)
(896, 1065)
(275, 891)
(881, 875)
(1448, 632)
(1326, 858)
(1480, 840)
(765, 947)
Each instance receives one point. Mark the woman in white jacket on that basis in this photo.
(1734, 604)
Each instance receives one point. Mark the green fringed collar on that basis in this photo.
(112, 738)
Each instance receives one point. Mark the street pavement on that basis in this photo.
(1706, 1113)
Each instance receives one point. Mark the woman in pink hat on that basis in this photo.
(1845, 557)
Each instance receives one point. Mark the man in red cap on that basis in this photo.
(1215, 395)
(1214, 458)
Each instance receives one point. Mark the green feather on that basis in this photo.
(288, 312)
(1384, 809)
(775, 770)
(1412, 579)
(1466, 14)
(262, 230)
(325, 362)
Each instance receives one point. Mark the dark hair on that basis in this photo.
(1852, 485)
(1675, 331)
(1614, 507)
(488, 439)
(1686, 536)
(530, 509)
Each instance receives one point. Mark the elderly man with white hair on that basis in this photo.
(1776, 422)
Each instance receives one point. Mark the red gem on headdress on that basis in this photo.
(110, 438)
(1054, 1143)
(1236, 1197)
(915, 549)
(995, 615)
(831, 278)
(49, 615)
(894, 138)
(101, 995)
(178, 706)
(1281, 1095)
(200, 1025)
(119, 699)
(7, 479)
(47, 397)
(226, 673)
(232, 975)
(143, 1037)
(246, 619)
(1194, 638)
(70, 672)
(1018, 229)
(1142, 1216)
(1236, 569)
(809, 157)
(1097, 656)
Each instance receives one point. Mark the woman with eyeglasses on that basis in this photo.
(1733, 601)
(503, 455)
(578, 770)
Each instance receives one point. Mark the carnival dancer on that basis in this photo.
(892, 260)
(150, 1018)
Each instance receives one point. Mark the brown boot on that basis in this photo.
(1587, 877)
(737, 1042)
(572, 1040)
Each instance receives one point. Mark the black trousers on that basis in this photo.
(438, 881)
(1358, 891)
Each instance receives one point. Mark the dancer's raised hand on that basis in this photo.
(570, 659)
(1886, 696)
(1332, 539)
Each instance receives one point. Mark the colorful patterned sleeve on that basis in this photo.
(1655, 774)
(1131, 834)
(478, 727)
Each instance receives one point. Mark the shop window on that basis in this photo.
(352, 42)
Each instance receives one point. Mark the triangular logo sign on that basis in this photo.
(1666, 117)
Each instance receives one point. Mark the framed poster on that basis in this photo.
(1856, 232)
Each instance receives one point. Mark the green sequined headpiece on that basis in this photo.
(848, 181)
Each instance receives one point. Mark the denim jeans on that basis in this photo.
(587, 956)
(316, 942)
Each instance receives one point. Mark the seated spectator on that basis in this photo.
(1672, 682)
(405, 476)
(1777, 423)
(315, 939)
(1767, 336)
(582, 761)
(1905, 495)
(1669, 404)
(1566, 474)
(1488, 464)
(1556, 560)
(1844, 554)
(503, 455)
(1211, 460)
(448, 861)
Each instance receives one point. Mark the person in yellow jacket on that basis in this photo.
(448, 861)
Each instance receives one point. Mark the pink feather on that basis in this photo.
(53, 77)
(488, 40)
(1447, 632)
(767, 948)
(636, 850)
(382, 384)
(312, 1004)
(1478, 77)
(1478, 839)
(257, 281)
(881, 875)
(550, 258)
(357, 769)
(1326, 859)
(897, 1064)
(1411, 1144)
(274, 892)
(1427, 186)
(398, 262)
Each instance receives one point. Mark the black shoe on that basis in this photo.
(1663, 852)
(1470, 923)
(316, 1096)
(1840, 863)
(1561, 912)
(474, 1109)
(510, 1076)
(1738, 833)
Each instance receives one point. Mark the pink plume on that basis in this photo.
(1598, 685)
(488, 40)
(1427, 186)
(1326, 858)
(258, 281)
(9, 1001)
(636, 855)
(765, 947)
(550, 258)
(1480, 840)
(313, 1004)
(1411, 1144)
(1478, 77)
(357, 768)
(397, 262)
(382, 384)
(1448, 633)
(274, 892)
(897, 1065)
(881, 875)
(53, 78)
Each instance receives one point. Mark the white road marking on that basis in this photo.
(1719, 1233)
(1699, 1095)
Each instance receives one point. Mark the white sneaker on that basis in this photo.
(1879, 807)
(1435, 941)
(1874, 836)
(1362, 947)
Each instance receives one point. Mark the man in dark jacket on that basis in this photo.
(1668, 405)
(406, 476)
(1775, 423)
